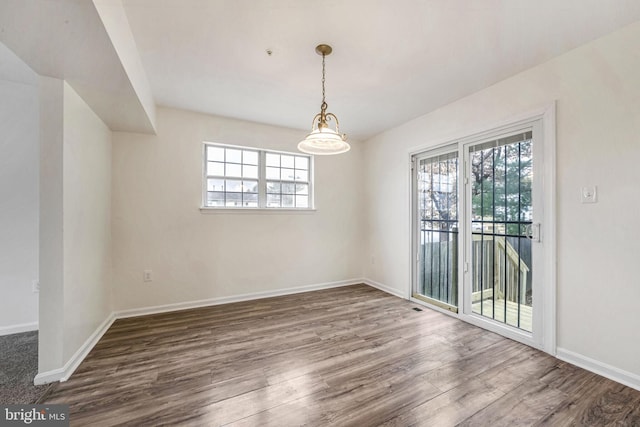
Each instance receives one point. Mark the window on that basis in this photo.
(244, 177)
(287, 181)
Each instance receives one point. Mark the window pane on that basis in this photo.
(250, 171)
(273, 187)
(215, 168)
(302, 175)
(288, 188)
(250, 199)
(288, 174)
(215, 184)
(287, 201)
(234, 185)
(273, 173)
(302, 189)
(302, 201)
(273, 200)
(302, 163)
(215, 197)
(234, 199)
(234, 170)
(234, 156)
(286, 161)
(215, 154)
(250, 157)
(273, 159)
(250, 186)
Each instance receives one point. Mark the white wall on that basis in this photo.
(598, 143)
(87, 222)
(19, 169)
(75, 226)
(157, 224)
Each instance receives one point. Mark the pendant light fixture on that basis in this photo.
(323, 140)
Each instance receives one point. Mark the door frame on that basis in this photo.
(547, 306)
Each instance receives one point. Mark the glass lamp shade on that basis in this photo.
(324, 141)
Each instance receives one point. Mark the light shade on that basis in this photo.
(324, 141)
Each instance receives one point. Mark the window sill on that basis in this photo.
(257, 211)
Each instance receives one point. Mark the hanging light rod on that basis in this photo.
(323, 140)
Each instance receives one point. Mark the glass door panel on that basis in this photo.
(501, 174)
(437, 238)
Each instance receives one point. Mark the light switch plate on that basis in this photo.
(589, 194)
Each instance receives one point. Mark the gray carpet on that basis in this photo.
(18, 367)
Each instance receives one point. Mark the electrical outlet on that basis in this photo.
(147, 276)
(373, 259)
(35, 286)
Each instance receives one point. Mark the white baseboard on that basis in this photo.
(63, 374)
(72, 364)
(618, 375)
(615, 374)
(384, 288)
(49, 376)
(235, 298)
(17, 329)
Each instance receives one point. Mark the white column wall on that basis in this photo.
(87, 222)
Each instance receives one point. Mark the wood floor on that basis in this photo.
(351, 356)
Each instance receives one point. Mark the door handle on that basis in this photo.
(534, 232)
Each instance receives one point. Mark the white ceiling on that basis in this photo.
(393, 60)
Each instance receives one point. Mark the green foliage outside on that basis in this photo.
(501, 185)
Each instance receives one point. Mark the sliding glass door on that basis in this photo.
(502, 270)
(476, 215)
(436, 204)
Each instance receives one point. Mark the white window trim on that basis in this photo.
(225, 210)
(262, 190)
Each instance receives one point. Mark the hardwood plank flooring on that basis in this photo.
(351, 356)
